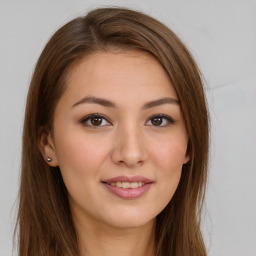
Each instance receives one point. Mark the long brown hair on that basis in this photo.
(44, 222)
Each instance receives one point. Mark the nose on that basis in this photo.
(129, 149)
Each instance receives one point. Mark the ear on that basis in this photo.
(47, 148)
(187, 155)
(186, 158)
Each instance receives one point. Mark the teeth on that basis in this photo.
(134, 185)
(127, 184)
(119, 184)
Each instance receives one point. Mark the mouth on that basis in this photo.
(128, 187)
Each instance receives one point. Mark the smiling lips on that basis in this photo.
(127, 184)
(128, 187)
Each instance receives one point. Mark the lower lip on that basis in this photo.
(128, 193)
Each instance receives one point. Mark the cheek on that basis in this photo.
(78, 149)
(80, 158)
(170, 153)
(168, 160)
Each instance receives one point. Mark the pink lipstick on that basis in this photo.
(128, 187)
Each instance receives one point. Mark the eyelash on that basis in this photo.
(97, 115)
(87, 118)
(170, 120)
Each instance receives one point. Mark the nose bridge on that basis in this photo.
(129, 147)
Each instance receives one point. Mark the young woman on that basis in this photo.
(115, 142)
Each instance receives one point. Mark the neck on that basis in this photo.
(109, 241)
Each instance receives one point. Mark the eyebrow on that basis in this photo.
(95, 100)
(108, 103)
(161, 101)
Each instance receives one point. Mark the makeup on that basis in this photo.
(128, 187)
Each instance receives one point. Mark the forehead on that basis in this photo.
(133, 74)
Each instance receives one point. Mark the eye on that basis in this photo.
(160, 120)
(95, 120)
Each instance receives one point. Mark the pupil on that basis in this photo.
(157, 121)
(96, 121)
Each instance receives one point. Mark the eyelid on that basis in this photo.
(167, 117)
(86, 118)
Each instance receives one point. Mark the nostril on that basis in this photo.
(129, 153)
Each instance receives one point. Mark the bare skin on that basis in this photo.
(119, 116)
(111, 241)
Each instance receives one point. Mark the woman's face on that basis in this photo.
(119, 139)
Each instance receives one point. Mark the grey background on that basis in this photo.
(221, 34)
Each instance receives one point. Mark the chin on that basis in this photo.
(130, 219)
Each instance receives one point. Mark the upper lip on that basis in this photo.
(130, 179)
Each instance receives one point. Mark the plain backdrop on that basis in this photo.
(221, 35)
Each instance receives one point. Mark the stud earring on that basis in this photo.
(48, 159)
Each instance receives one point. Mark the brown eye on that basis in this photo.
(156, 121)
(160, 120)
(96, 120)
